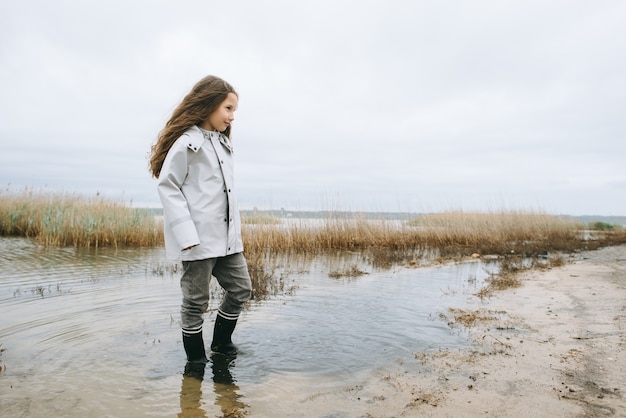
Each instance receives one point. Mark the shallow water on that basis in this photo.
(97, 333)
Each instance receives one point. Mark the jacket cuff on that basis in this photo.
(186, 234)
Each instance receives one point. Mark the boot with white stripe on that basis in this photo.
(194, 347)
(222, 333)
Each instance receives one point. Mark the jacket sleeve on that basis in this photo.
(175, 209)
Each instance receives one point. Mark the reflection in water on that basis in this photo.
(226, 395)
(191, 391)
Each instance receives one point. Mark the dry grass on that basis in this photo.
(466, 318)
(352, 271)
(510, 267)
(260, 219)
(519, 239)
(331, 234)
(64, 219)
(500, 232)
(447, 235)
(70, 220)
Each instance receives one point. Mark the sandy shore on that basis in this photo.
(554, 347)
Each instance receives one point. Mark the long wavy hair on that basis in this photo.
(197, 105)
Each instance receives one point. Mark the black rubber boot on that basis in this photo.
(194, 347)
(222, 333)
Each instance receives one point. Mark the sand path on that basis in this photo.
(554, 347)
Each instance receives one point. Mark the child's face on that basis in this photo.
(223, 116)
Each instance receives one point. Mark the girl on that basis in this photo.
(192, 159)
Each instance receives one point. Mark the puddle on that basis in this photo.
(97, 333)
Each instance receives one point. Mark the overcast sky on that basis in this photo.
(353, 105)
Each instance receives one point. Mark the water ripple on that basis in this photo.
(97, 331)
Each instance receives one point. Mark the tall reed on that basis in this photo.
(69, 219)
(65, 219)
(499, 232)
(330, 234)
(450, 234)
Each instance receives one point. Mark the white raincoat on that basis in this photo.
(199, 206)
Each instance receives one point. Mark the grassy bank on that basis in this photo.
(64, 219)
(445, 235)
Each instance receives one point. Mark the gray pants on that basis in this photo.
(231, 273)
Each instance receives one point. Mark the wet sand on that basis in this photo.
(554, 347)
